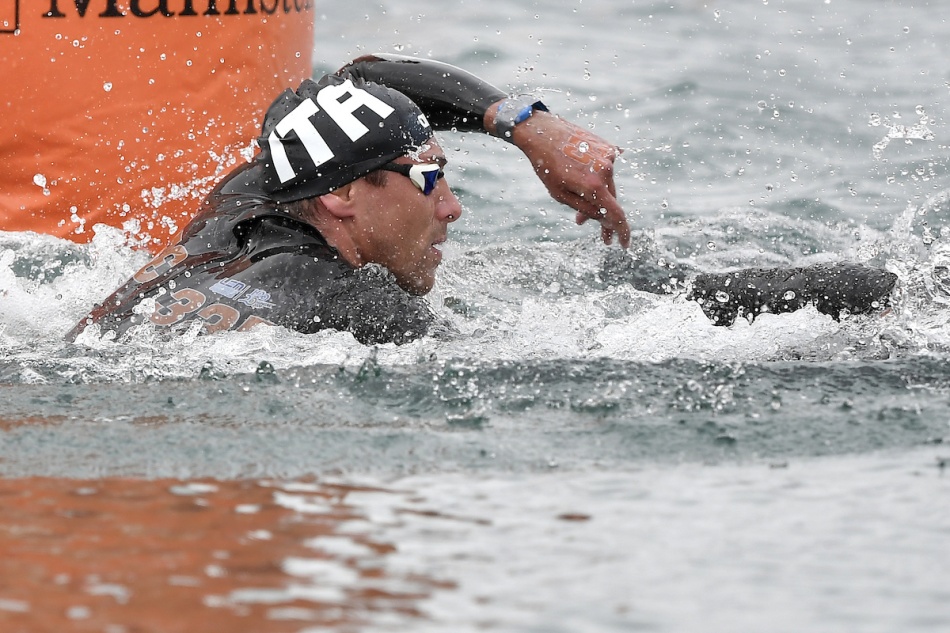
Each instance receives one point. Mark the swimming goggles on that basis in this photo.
(425, 176)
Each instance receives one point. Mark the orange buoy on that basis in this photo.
(131, 110)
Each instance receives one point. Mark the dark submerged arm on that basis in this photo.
(835, 289)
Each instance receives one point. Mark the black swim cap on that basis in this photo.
(326, 135)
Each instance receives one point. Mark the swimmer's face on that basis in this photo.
(401, 228)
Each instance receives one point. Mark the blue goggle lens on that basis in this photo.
(425, 176)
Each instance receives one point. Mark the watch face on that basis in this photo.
(513, 111)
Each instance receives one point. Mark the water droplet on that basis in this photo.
(107, 86)
(39, 180)
(789, 295)
(722, 296)
(711, 246)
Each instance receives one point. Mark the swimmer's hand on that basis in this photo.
(835, 289)
(577, 167)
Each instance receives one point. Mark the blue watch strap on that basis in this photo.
(513, 111)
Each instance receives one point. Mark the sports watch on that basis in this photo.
(513, 111)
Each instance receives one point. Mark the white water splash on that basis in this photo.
(908, 133)
(505, 303)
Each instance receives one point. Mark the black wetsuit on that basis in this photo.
(244, 260)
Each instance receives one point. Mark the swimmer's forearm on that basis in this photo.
(835, 289)
(450, 97)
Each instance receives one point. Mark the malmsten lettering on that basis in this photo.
(188, 7)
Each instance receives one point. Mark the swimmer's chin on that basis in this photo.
(418, 285)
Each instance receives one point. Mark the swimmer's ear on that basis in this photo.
(340, 202)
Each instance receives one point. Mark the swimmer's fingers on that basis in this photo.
(590, 190)
(604, 208)
(606, 233)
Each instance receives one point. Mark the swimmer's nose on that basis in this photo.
(448, 207)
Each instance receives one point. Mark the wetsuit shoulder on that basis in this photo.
(212, 238)
(243, 261)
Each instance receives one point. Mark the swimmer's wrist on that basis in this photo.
(502, 117)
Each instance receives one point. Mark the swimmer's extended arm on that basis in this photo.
(575, 165)
(835, 289)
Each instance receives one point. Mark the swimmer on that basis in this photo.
(337, 223)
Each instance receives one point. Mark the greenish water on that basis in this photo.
(450, 416)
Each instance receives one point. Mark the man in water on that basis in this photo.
(337, 222)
